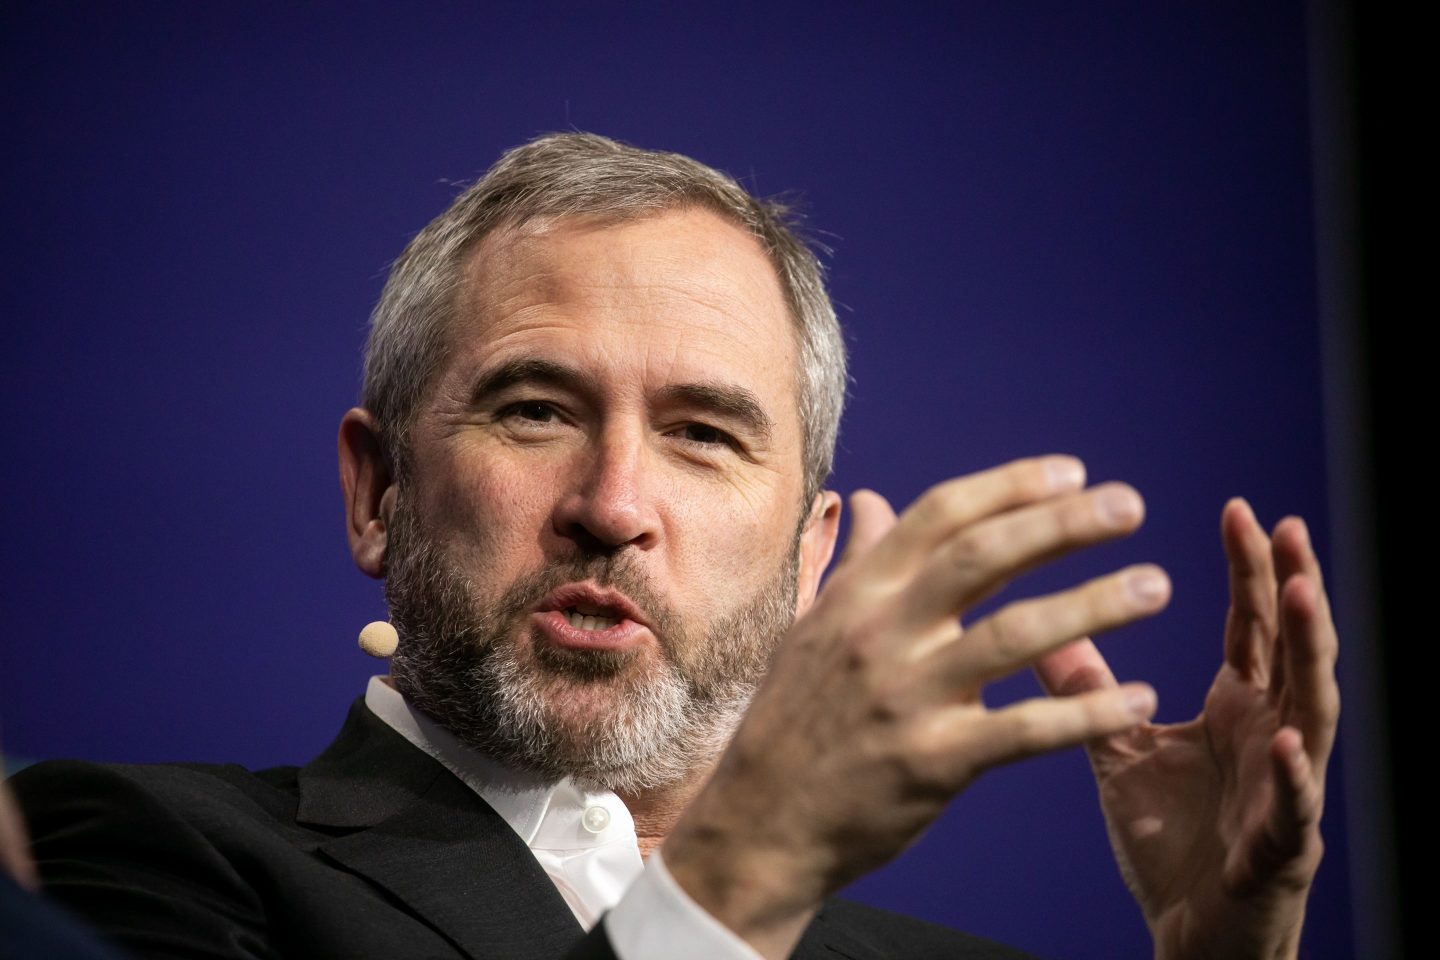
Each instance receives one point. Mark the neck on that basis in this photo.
(656, 810)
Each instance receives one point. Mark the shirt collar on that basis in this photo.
(550, 815)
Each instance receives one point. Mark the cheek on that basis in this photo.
(729, 554)
(495, 511)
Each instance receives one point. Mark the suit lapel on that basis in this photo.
(424, 836)
(414, 829)
(824, 940)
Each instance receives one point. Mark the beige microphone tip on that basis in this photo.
(379, 639)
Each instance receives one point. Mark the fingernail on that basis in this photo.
(1148, 588)
(1066, 473)
(1140, 701)
(1120, 506)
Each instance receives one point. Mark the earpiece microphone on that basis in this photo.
(379, 639)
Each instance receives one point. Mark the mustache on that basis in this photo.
(431, 593)
(620, 573)
(421, 577)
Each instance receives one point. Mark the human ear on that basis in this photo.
(817, 546)
(369, 490)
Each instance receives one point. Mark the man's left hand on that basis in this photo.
(1216, 822)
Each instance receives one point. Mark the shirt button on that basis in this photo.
(595, 819)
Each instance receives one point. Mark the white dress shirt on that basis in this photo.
(584, 840)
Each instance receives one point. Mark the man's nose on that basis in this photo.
(608, 504)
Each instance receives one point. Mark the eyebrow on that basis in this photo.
(730, 401)
(531, 370)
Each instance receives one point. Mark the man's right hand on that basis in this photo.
(871, 718)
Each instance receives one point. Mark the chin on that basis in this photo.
(618, 721)
(590, 667)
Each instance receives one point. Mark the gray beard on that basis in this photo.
(602, 717)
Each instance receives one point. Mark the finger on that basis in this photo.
(1250, 626)
(1041, 725)
(955, 504)
(1075, 668)
(983, 557)
(1294, 553)
(1016, 635)
(1286, 838)
(1311, 696)
(871, 518)
(15, 843)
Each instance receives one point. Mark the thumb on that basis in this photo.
(871, 518)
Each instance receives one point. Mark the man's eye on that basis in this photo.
(532, 420)
(706, 435)
(532, 411)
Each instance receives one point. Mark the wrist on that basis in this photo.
(752, 892)
(1270, 938)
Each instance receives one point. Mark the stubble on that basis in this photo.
(621, 720)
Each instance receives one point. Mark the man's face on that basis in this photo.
(600, 536)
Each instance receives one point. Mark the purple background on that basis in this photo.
(1057, 227)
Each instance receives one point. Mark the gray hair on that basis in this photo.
(581, 174)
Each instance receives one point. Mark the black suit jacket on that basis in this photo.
(372, 850)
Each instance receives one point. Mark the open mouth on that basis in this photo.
(584, 616)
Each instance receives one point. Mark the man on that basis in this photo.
(601, 399)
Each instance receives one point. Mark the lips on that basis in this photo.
(585, 616)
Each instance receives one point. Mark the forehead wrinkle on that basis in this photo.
(675, 302)
(541, 297)
(638, 273)
(517, 260)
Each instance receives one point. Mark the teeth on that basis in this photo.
(583, 621)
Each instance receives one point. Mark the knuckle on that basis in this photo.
(923, 768)
(1278, 846)
(1019, 482)
(1111, 602)
(1330, 648)
(1024, 732)
(1099, 714)
(889, 701)
(1075, 520)
(1012, 633)
(865, 644)
(1328, 708)
(868, 656)
(1031, 480)
(971, 552)
(938, 504)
